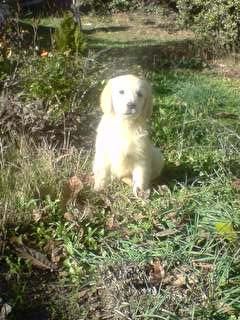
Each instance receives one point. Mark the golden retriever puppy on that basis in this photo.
(123, 146)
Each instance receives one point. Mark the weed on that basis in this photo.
(69, 37)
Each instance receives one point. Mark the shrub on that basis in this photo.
(217, 21)
(54, 80)
(69, 37)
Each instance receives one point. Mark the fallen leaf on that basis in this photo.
(83, 293)
(236, 184)
(44, 53)
(166, 233)
(138, 217)
(111, 223)
(74, 185)
(180, 280)
(14, 240)
(69, 216)
(36, 258)
(54, 249)
(71, 190)
(203, 265)
(172, 216)
(157, 272)
(37, 215)
(192, 279)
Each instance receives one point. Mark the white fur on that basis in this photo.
(123, 146)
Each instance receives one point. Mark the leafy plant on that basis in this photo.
(69, 37)
(216, 21)
(55, 81)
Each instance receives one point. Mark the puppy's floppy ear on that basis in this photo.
(106, 98)
(148, 105)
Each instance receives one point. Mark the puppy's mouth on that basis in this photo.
(130, 112)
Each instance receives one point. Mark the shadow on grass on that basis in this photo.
(29, 295)
(107, 29)
(183, 53)
(43, 36)
(149, 53)
(172, 174)
(186, 174)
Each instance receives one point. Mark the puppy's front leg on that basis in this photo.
(101, 170)
(141, 178)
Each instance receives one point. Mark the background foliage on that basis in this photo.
(216, 21)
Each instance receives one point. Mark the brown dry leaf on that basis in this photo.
(75, 185)
(69, 217)
(37, 215)
(180, 280)
(111, 223)
(236, 184)
(57, 254)
(166, 233)
(71, 189)
(138, 217)
(54, 249)
(16, 241)
(36, 258)
(83, 293)
(171, 216)
(192, 279)
(157, 272)
(203, 265)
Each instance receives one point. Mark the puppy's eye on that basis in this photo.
(139, 94)
(121, 91)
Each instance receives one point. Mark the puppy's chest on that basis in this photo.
(125, 148)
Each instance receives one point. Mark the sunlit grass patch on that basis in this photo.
(172, 256)
(196, 118)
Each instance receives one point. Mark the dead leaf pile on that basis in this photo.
(71, 190)
(36, 258)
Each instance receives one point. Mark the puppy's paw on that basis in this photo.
(140, 193)
(99, 186)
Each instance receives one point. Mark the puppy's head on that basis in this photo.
(127, 97)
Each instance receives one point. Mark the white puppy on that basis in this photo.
(123, 146)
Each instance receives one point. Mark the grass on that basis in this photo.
(129, 30)
(191, 226)
(71, 253)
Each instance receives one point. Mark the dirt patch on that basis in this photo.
(31, 119)
(130, 290)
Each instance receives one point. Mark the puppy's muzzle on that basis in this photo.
(131, 108)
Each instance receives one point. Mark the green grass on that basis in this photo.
(191, 225)
(173, 256)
